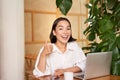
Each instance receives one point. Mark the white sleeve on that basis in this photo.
(80, 58)
(36, 71)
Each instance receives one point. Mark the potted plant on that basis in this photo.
(104, 24)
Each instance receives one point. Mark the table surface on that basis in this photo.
(109, 77)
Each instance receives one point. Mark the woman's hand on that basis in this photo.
(47, 49)
(58, 72)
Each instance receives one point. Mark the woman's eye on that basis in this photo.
(60, 29)
(69, 28)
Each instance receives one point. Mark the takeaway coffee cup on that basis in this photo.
(68, 75)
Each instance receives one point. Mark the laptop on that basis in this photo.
(97, 65)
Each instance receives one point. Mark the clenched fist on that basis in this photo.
(47, 49)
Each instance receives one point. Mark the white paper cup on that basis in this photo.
(68, 75)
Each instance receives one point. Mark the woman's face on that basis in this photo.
(62, 32)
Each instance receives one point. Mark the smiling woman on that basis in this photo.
(62, 54)
(39, 16)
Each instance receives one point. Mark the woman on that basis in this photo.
(62, 54)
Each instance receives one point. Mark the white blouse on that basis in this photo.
(73, 56)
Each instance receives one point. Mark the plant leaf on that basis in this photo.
(110, 4)
(87, 30)
(115, 67)
(58, 2)
(88, 6)
(116, 54)
(89, 20)
(118, 41)
(91, 36)
(64, 5)
(108, 35)
(105, 24)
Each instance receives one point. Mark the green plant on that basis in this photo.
(104, 23)
(64, 5)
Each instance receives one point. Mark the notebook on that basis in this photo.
(97, 65)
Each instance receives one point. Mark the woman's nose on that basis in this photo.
(65, 31)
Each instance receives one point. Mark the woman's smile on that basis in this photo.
(65, 37)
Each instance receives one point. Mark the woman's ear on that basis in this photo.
(54, 33)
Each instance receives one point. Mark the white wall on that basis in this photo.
(11, 40)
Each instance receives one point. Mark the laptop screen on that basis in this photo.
(97, 64)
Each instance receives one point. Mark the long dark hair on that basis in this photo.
(53, 38)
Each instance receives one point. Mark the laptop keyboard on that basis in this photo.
(82, 76)
(79, 75)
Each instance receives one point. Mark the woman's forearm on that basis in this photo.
(42, 63)
(59, 72)
(72, 69)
